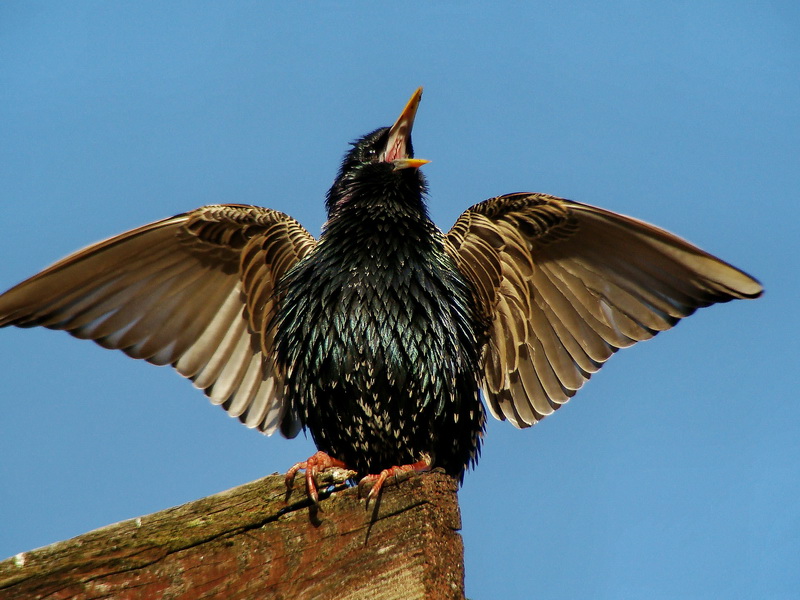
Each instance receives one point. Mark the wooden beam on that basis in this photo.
(249, 542)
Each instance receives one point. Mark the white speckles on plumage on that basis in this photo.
(387, 316)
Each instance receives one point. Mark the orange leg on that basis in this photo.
(314, 465)
(418, 467)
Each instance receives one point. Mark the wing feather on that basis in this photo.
(194, 291)
(564, 285)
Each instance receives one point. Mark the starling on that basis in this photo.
(377, 337)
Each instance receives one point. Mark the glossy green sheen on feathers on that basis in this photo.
(377, 331)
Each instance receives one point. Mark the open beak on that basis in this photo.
(407, 163)
(398, 146)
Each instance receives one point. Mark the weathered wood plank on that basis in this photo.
(249, 543)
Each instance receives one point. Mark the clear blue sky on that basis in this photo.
(674, 473)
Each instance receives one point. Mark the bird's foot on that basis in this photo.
(313, 467)
(421, 466)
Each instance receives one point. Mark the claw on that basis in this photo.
(420, 466)
(313, 466)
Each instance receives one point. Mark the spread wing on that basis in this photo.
(194, 291)
(564, 285)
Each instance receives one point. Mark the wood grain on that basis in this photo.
(249, 542)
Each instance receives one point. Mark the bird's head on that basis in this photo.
(381, 161)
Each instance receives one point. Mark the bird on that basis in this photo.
(386, 338)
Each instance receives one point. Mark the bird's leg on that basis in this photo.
(313, 466)
(421, 466)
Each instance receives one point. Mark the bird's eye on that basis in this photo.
(371, 154)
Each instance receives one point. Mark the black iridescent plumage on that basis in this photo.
(378, 337)
(377, 328)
